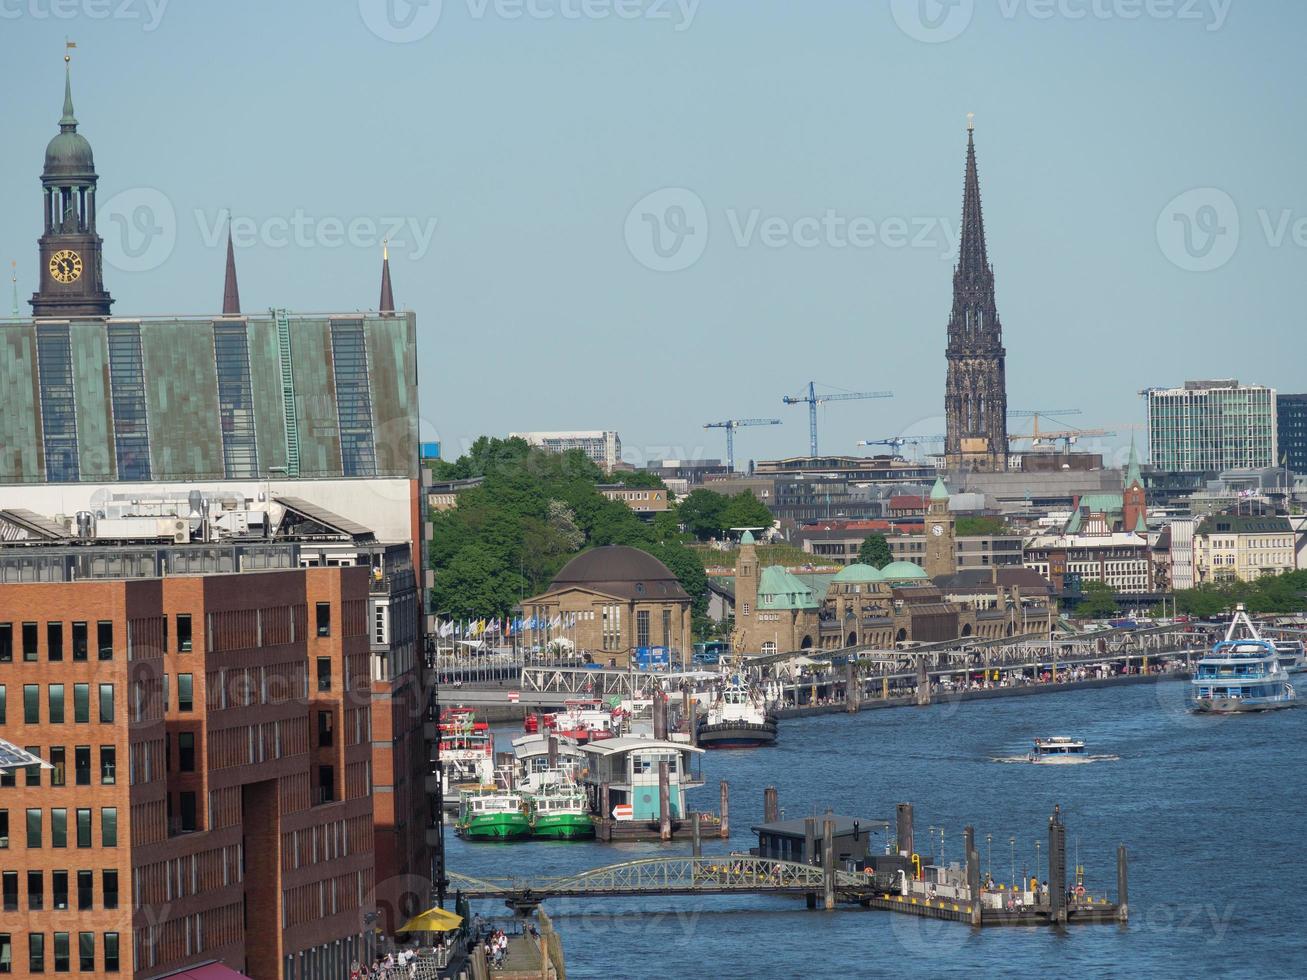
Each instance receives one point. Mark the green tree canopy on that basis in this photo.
(975, 527)
(874, 551)
(1098, 602)
(701, 513)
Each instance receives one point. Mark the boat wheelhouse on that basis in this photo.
(561, 811)
(1056, 749)
(630, 767)
(538, 768)
(493, 813)
(1242, 673)
(738, 718)
(1293, 659)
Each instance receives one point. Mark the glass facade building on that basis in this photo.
(1210, 426)
(1291, 431)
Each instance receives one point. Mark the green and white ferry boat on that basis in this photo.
(493, 813)
(561, 812)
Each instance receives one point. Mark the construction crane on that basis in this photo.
(813, 400)
(730, 425)
(1067, 436)
(1021, 413)
(898, 442)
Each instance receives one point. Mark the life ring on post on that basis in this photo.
(1080, 891)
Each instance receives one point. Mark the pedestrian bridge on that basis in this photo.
(707, 875)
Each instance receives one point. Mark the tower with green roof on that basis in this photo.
(71, 272)
(941, 553)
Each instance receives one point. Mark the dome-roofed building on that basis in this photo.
(858, 574)
(903, 571)
(610, 602)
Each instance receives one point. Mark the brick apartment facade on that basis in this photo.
(210, 801)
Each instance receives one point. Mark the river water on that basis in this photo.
(1212, 810)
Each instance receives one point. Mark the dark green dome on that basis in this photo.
(69, 155)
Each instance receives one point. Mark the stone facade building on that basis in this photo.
(610, 602)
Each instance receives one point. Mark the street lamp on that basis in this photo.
(989, 855)
(1013, 842)
(1037, 864)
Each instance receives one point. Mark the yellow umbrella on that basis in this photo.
(432, 920)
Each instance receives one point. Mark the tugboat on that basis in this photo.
(1242, 673)
(561, 811)
(1058, 749)
(739, 719)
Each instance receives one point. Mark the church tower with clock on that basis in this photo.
(941, 554)
(72, 275)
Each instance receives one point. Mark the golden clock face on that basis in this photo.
(66, 266)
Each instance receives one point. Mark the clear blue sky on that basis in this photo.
(529, 139)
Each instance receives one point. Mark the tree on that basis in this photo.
(874, 551)
(745, 510)
(474, 584)
(701, 513)
(640, 480)
(1098, 602)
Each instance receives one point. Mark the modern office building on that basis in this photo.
(1291, 431)
(603, 447)
(1212, 426)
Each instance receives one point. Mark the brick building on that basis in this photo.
(210, 737)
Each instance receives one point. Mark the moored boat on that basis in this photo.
(1242, 673)
(493, 813)
(1292, 658)
(738, 719)
(561, 812)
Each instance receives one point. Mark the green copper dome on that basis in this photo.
(69, 153)
(939, 491)
(902, 571)
(858, 573)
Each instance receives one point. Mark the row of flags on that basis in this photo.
(508, 626)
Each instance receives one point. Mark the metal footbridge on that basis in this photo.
(706, 875)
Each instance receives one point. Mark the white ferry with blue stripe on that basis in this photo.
(1242, 673)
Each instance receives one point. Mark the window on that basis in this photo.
(10, 889)
(59, 889)
(186, 801)
(6, 643)
(61, 952)
(109, 897)
(34, 770)
(349, 358)
(111, 952)
(127, 393)
(186, 751)
(85, 890)
(86, 952)
(109, 825)
(57, 774)
(82, 764)
(54, 641)
(8, 777)
(324, 730)
(34, 827)
(55, 699)
(183, 633)
(108, 765)
(324, 619)
(84, 827)
(79, 641)
(81, 703)
(6, 953)
(642, 628)
(36, 890)
(29, 642)
(4, 829)
(667, 627)
(235, 400)
(31, 704)
(36, 952)
(324, 673)
(4, 709)
(59, 827)
(185, 692)
(104, 639)
(106, 703)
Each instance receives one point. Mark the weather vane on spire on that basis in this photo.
(971, 121)
(68, 46)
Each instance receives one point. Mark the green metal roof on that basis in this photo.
(859, 573)
(778, 589)
(939, 491)
(899, 571)
(746, 537)
(1132, 474)
(1110, 504)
